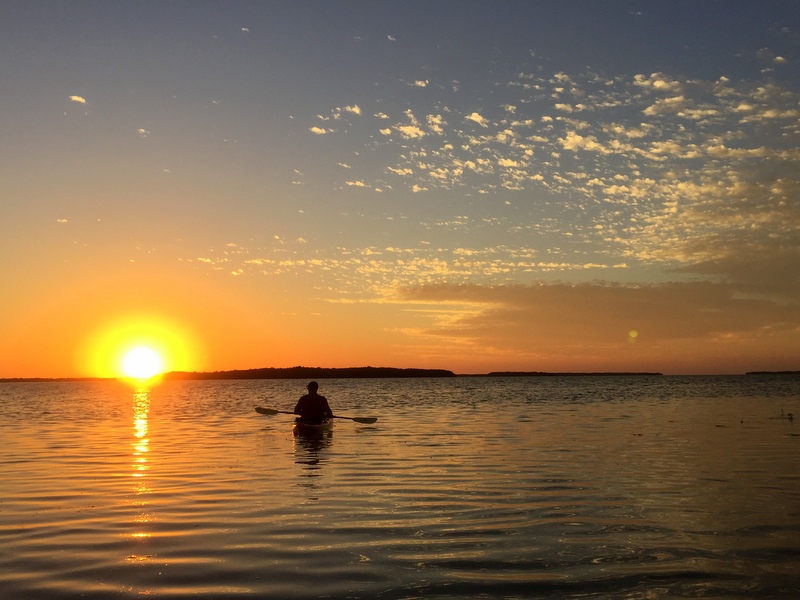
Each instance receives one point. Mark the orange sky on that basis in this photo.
(529, 189)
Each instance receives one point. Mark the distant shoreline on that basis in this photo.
(588, 374)
(267, 373)
(773, 373)
(355, 373)
(309, 373)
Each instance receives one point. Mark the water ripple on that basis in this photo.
(473, 487)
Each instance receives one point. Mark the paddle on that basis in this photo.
(273, 411)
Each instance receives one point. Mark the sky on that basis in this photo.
(551, 186)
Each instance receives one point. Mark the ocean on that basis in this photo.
(468, 487)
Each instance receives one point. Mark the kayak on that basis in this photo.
(312, 428)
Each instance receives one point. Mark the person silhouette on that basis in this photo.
(313, 408)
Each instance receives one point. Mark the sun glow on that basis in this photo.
(141, 347)
(142, 363)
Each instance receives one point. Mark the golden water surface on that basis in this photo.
(629, 487)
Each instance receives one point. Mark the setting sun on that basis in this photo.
(142, 363)
(141, 347)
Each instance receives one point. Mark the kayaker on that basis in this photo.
(312, 407)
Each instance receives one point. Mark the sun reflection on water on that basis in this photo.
(141, 447)
(141, 443)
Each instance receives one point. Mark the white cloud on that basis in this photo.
(657, 81)
(318, 130)
(507, 162)
(661, 170)
(477, 118)
(435, 123)
(410, 131)
(665, 106)
(576, 142)
(403, 172)
(78, 99)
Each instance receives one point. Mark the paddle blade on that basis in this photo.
(266, 411)
(365, 420)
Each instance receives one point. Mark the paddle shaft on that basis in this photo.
(275, 411)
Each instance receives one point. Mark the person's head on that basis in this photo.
(313, 387)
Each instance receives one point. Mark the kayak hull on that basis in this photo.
(305, 428)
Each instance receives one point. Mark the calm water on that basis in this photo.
(471, 487)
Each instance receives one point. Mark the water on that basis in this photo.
(570, 487)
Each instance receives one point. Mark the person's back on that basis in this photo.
(313, 407)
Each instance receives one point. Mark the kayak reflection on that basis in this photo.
(310, 444)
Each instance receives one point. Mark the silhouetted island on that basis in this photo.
(546, 374)
(311, 373)
(773, 373)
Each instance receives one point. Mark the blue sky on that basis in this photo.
(467, 185)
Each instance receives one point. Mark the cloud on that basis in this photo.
(665, 106)
(318, 130)
(576, 142)
(410, 131)
(385, 274)
(477, 118)
(686, 175)
(403, 172)
(658, 82)
(78, 99)
(703, 326)
(436, 123)
(506, 162)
